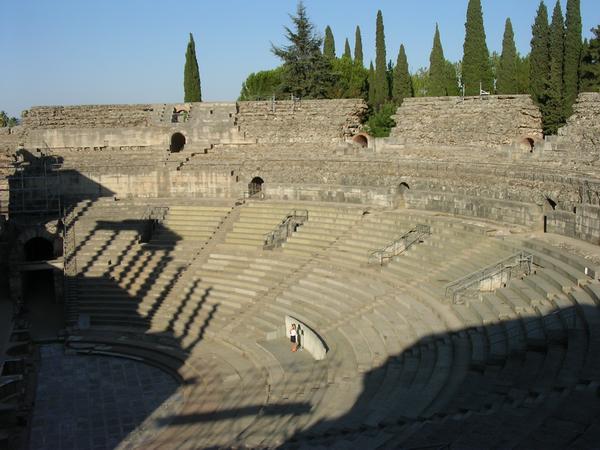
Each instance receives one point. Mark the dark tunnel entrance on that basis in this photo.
(40, 302)
(38, 249)
(177, 142)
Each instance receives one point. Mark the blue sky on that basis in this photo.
(132, 51)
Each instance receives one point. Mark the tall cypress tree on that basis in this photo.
(381, 88)
(476, 67)
(329, 43)
(572, 56)
(358, 50)
(539, 58)
(371, 81)
(553, 110)
(506, 78)
(402, 86)
(437, 68)
(347, 51)
(191, 75)
(590, 63)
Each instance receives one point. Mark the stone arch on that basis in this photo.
(403, 187)
(38, 232)
(361, 139)
(527, 143)
(177, 142)
(255, 187)
(549, 204)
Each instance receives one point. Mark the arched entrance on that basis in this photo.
(527, 144)
(361, 139)
(400, 199)
(39, 275)
(255, 186)
(177, 142)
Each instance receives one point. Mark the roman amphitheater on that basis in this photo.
(446, 279)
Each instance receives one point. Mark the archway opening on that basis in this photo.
(255, 186)
(177, 142)
(403, 187)
(550, 204)
(38, 249)
(361, 139)
(528, 144)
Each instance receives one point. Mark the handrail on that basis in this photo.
(399, 245)
(505, 265)
(285, 229)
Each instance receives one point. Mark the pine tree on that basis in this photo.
(437, 68)
(539, 58)
(358, 50)
(371, 81)
(329, 43)
(306, 72)
(402, 86)
(347, 51)
(476, 67)
(506, 77)
(381, 87)
(552, 110)
(191, 74)
(590, 64)
(572, 56)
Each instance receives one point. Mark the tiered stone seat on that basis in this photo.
(405, 365)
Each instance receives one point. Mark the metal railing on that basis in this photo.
(400, 245)
(285, 229)
(491, 277)
(153, 216)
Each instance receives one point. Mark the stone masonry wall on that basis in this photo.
(582, 131)
(319, 121)
(489, 121)
(88, 116)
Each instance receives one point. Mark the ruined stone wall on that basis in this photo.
(489, 121)
(88, 116)
(582, 131)
(319, 121)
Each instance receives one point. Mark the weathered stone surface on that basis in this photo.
(318, 121)
(489, 121)
(582, 131)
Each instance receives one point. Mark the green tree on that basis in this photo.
(506, 76)
(402, 86)
(419, 81)
(437, 68)
(191, 74)
(6, 121)
(476, 68)
(371, 83)
(329, 43)
(590, 63)
(523, 70)
(306, 72)
(380, 123)
(347, 51)
(572, 56)
(451, 75)
(539, 58)
(381, 86)
(358, 50)
(262, 85)
(553, 110)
